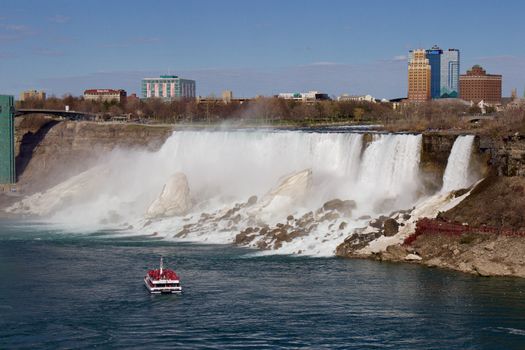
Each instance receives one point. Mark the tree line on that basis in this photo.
(436, 114)
(267, 110)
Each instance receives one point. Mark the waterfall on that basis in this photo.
(390, 167)
(243, 163)
(457, 174)
(225, 168)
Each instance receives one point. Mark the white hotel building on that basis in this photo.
(168, 87)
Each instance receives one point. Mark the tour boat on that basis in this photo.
(162, 281)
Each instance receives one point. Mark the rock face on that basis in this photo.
(50, 152)
(173, 201)
(78, 187)
(263, 236)
(379, 228)
(498, 201)
(481, 254)
(222, 220)
(294, 187)
(355, 242)
(507, 155)
(435, 150)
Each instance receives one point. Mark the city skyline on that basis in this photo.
(65, 47)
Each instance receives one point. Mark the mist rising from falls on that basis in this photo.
(457, 173)
(224, 169)
(241, 164)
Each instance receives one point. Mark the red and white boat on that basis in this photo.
(162, 281)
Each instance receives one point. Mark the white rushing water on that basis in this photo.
(457, 173)
(225, 168)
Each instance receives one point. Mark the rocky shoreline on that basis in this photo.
(495, 249)
(479, 254)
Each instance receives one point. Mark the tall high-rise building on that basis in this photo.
(449, 74)
(434, 59)
(477, 85)
(418, 76)
(444, 72)
(7, 140)
(168, 87)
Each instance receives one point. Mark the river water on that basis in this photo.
(64, 290)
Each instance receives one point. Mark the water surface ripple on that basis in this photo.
(59, 290)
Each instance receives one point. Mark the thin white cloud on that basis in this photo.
(400, 58)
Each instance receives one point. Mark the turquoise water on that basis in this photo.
(61, 290)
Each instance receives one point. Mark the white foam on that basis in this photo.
(224, 168)
(457, 175)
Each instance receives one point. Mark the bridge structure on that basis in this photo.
(7, 134)
(73, 115)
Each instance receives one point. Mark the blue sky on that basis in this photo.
(250, 47)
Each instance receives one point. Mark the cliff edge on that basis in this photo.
(50, 151)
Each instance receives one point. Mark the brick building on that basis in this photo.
(478, 86)
(105, 95)
(32, 95)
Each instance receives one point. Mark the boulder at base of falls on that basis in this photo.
(390, 227)
(251, 201)
(174, 199)
(294, 187)
(344, 207)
